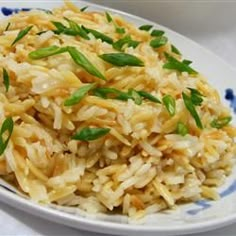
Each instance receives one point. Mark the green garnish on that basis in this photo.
(60, 28)
(119, 30)
(83, 8)
(158, 42)
(157, 33)
(21, 34)
(77, 56)
(221, 122)
(118, 45)
(7, 126)
(98, 35)
(187, 62)
(196, 97)
(46, 52)
(78, 95)
(121, 59)
(149, 96)
(82, 61)
(135, 96)
(77, 29)
(89, 134)
(175, 50)
(103, 92)
(145, 27)
(181, 129)
(174, 64)
(73, 30)
(108, 16)
(191, 108)
(41, 32)
(133, 44)
(170, 104)
(8, 26)
(6, 79)
(111, 93)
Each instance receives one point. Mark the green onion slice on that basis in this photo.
(157, 33)
(191, 108)
(111, 93)
(78, 95)
(159, 42)
(187, 62)
(182, 129)
(221, 122)
(83, 8)
(135, 96)
(46, 52)
(108, 16)
(118, 45)
(148, 96)
(98, 35)
(196, 97)
(174, 64)
(8, 26)
(22, 34)
(6, 79)
(170, 104)
(6, 129)
(122, 59)
(175, 50)
(82, 61)
(145, 27)
(89, 134)
(119, 30)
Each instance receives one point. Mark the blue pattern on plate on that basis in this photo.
(229, 190)
(6, 11)
(205, 204)
(9, 11)
(229, 95)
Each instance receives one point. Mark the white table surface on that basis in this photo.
(212, 24)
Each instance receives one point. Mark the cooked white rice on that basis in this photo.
(142, 165)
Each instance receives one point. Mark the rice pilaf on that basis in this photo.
(99, 114)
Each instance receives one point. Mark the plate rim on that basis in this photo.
(84, 223)
(107, 227)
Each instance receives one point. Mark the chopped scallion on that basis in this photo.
(221, 122)
(175, 50)
(6, 79)
(174, 64)
(7, 128)
(82, 61)
(170, 104)
(191, 108)
(89, 134)
(22, 34)
(158, 42)
(145, 27)
(181, 129)
(78, 95)
(122, 59)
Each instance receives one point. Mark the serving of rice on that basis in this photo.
(143, 163)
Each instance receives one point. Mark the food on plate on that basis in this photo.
(103, 115)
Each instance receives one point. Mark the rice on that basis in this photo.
(142, 165)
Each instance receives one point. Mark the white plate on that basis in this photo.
(189, 218)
